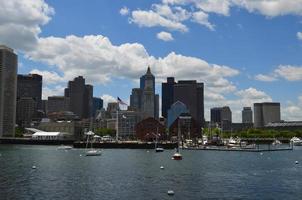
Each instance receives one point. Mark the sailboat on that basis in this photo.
(157, 149)
(91, 152)
(177, 155)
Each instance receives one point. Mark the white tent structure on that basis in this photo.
(49, 135)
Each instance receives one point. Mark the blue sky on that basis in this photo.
(244, 51)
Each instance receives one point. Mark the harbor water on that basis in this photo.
(137, 174)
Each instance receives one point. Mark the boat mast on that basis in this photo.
(117, 122)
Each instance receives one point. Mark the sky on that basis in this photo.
(245, 51)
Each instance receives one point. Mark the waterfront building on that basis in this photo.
(222, 117)
(187, 125)
(174, 112)
(265, 113)
(58, 104)
(126, 123)
(167, 96)
(247, 115)
(97, 105)
(147, 129)
(8, 90)
(284, 125)
(73, 128)
(80, 97)
(191, 93)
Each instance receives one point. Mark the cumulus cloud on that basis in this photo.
(290, 73)
(202, 18)
(165, 36)
(107, 99)
(172, 14)
(265, 78)
(57, 90)
(299, 35)
(153, 19)
(287, 72)
(21, 20)
(49, 77)
(293, 110)
(124, 11)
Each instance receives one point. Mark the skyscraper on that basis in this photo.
(29, 98)
(247, 115)
(80, 97)
(97, 105)
(8, 90)
(265, 113)
(144, 100)
(167, 96)
(191, 93)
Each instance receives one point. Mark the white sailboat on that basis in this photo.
(91, 152)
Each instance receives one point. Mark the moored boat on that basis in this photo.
(296, 141)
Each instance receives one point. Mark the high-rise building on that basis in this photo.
(143, 99)
(81, 97)
(175, 111)
(191, 93)
(29, 98)
(247, 115)
(58, 104)
(222, 116)
(265, 113)
(136, 99)
(97, 105)
(8, 90)
(167, 96)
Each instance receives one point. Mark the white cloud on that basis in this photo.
(124, 11)
(293, 111)
(57, 90)
(107, 99)
(265, 78)
(165, 36)
(299, 35)
(21, 20)
(289, 72)
(153, 19)
(202, 18)
(49, 77)
(175, 13)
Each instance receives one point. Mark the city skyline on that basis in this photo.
(240, 52)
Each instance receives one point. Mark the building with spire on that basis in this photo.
(143, 99)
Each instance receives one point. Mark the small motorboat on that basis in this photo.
(296, 141)
(63, 147)
(93, 152)
(159, 149)
(177, 156)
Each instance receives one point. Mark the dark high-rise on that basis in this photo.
(80, 97)
(8, 90)
(97, 105)
(222, 116)
(29, 98)
(167, 96)
(191, 93)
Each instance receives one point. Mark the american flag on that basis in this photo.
(120, 101)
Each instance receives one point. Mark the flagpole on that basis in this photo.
(117, 121)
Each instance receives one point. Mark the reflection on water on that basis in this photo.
(136, 174)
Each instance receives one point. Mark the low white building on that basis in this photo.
(49, 135)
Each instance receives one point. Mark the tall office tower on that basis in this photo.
(148, 98)
(265, 113)
(136, 99)
(247, 115)
(58, 104)
(97, 105)
(216, 115)
(191, 94)
(8, 91)
(81, 97)
(28, 87)
(167, 96)
(143, 78)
